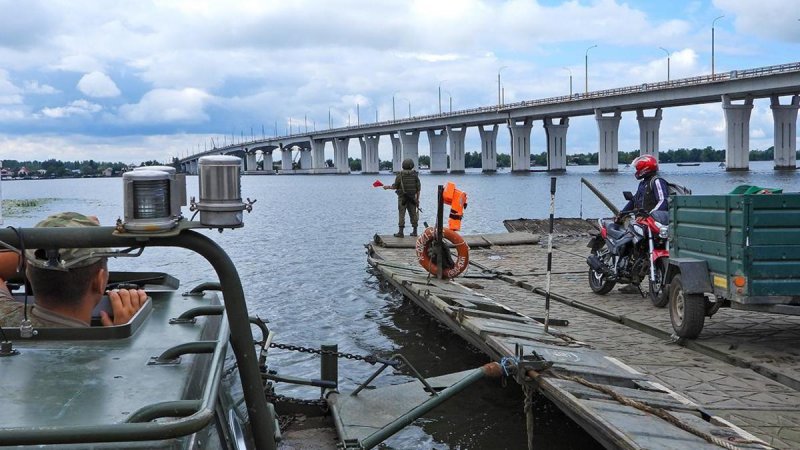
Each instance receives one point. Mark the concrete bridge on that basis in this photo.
(735, 90)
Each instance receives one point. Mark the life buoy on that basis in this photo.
(425, 253)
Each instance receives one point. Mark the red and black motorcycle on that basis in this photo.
(628, 250)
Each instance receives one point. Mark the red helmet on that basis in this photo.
(644, 165)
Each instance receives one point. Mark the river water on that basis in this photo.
(302, 260)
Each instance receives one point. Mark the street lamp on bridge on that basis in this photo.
(499, 98)
(409, 105)
(668, 54)
(570, 80)
(440, 95)
(586, 69)
(712, 45)
(450, 96)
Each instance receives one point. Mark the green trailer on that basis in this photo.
(739, 251)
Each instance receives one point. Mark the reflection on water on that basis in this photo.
(302, 261)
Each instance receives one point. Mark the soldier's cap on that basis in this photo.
(65, 258)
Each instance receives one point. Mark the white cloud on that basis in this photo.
(98, 84)
(167, 105)
(9, 93)
(33, 87)
(76, 108)
(775, 19)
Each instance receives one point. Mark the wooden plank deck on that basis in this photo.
(740, 378)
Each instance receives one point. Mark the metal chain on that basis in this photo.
(322, 403)
(372, 359)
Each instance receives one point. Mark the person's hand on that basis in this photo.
(386, 187)
(125, 303)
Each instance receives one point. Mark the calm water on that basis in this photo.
(302, 260)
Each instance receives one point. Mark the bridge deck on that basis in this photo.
(742, 371)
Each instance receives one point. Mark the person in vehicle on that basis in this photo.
(67, 284)
(408, 187)
(652, 195)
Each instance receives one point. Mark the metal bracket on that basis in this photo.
(156, 361)
(533, 361)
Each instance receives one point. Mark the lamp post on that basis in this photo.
(712, 45)
(394, 114)
(586, 69)
(409, 105)
(570, 80)
(329, 118)
(668, 54)
(358, 114)
(499, 98)
(440, 95)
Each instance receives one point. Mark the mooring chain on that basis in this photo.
(321, 402)
(372, 359)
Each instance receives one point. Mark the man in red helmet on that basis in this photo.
(653, 192)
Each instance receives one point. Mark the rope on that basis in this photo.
(528, 408)
(658, 412)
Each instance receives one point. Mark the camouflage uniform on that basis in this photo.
(407, 186)
(12, 312)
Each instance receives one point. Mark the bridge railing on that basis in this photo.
(644, 87)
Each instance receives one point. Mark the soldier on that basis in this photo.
(407, 187)
(67, 284)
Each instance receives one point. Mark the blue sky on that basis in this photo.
(138, 80)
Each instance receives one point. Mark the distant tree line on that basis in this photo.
(54, 168)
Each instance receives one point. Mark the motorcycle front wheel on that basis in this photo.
(599, 281)
(658, 289)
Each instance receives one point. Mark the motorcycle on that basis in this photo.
(630, 252)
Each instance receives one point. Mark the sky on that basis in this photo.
(145, 80)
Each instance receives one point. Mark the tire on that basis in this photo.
(686, 311)
(599, 281)
(659, 291)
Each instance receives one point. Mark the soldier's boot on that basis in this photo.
(399, 233)
(413, 232)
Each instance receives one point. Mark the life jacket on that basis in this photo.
(458, 202)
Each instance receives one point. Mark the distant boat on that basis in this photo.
(722, 164)
(688, 164)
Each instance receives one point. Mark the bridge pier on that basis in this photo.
(648, 132)
(556, 143)
(250, 161)
(397, 153)
(306, 159)
(456, 137)
(737, 124)
(340, 148)
(369, 148)
(520, 145)
(193, 167)
(785, 118)
(608, 141)
(438, 144)
(317, 153)
(266, 160)
(488, 148)
(286, 158)
(410, 144)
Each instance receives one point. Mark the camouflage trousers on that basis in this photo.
(413, 213)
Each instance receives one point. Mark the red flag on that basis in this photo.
(377, 183)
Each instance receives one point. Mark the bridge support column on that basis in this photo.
(556, 144)
(250, 161)
(286, 158)
(369, 148)
(410, 143)
(317, 153)
(266, 161)
(456, 138)
(340, 148)
(438, 144)
(520, 145)
(306, 160)
(785, 118)
(193, 167)
(648, 132)
(608, 141)
(488, 148)
(737, 124)
(397, 153)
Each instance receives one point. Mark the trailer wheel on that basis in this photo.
(686, 311)
(659, 292)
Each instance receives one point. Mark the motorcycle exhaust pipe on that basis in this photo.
(594, 262)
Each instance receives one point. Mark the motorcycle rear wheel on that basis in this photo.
(598, 281)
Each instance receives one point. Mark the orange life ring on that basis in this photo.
(424, 246)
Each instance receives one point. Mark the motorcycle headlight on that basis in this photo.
(663, 231)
